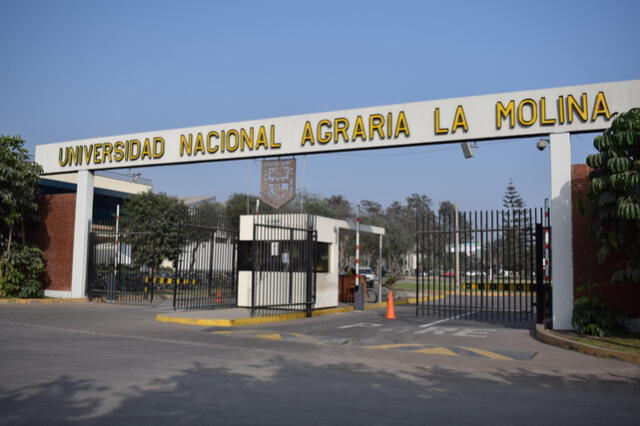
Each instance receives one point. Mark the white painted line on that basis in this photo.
(447, 319)
(360, 324)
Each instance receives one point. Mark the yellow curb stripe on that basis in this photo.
(271, 336)
(202, 322)
(307, 339)
(227, 322)
(393, 346)
(328, 311)
(375, 305)
(488, 354)
(436, 351)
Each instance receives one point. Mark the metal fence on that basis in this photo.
(205, 273)
(111, 274)
(482, 265)
(202, 276)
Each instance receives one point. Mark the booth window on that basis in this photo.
(281, 256)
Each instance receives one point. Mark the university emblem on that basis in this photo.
(278, 183)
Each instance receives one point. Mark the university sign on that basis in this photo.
(555, 113)
(508, 115)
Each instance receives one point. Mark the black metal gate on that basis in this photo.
(205, 273)
(204, 276)
(111, 275)
(283, 251)
(483, 265)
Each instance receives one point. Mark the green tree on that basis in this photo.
(153, 227)
(20, 264)
(511, 199)
(516, 241)
(614, 197)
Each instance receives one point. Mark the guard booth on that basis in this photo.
(289, 263)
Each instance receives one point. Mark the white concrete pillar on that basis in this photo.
(84, 213)
(561, 231)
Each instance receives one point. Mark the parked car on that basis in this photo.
(475, 274)
(368, 274)
(449, 274)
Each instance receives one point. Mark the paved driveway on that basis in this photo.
(103, 364)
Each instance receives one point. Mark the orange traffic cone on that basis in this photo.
(219, 296)
(391, 312)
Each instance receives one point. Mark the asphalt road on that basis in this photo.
(105, 364)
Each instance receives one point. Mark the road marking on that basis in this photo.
(419, 348)
(394, 346)
(453, 331)
(307, 339)
(447, 319)
(436, 351)
(360, 324)
(405, 329)
(270, 336)
(474, 332)
(488, 354)
(439, 331)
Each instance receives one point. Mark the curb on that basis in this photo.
(246, 321)
(554, 339)
(44, 300)
(378, 305)
(266, 320)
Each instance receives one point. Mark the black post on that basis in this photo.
(310, 272)
(211, 293)
(358, 297)
(254, 263)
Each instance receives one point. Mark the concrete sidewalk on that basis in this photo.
(235, 317)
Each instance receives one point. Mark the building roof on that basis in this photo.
(106, 183)
(201, 199)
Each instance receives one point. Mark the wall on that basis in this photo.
(586, 269)
(54, 235)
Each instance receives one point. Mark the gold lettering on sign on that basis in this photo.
(459, 120)
(369, 128)
(568, 109)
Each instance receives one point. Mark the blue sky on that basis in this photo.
(78, 69)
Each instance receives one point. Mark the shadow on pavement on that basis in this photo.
(283, 392)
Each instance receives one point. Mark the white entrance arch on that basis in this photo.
(555, 113)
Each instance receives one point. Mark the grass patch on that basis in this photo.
(630, 343)
(405, 285)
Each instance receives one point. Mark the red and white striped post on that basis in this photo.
(359, 291)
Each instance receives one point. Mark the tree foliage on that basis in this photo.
(20, 264)
(516, 241)
(512, 199)
(614, 196)
(153, 223)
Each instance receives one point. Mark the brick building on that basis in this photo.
(621, 297)
(57, 204)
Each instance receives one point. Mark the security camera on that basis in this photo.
(542, 144)
(466, 150)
